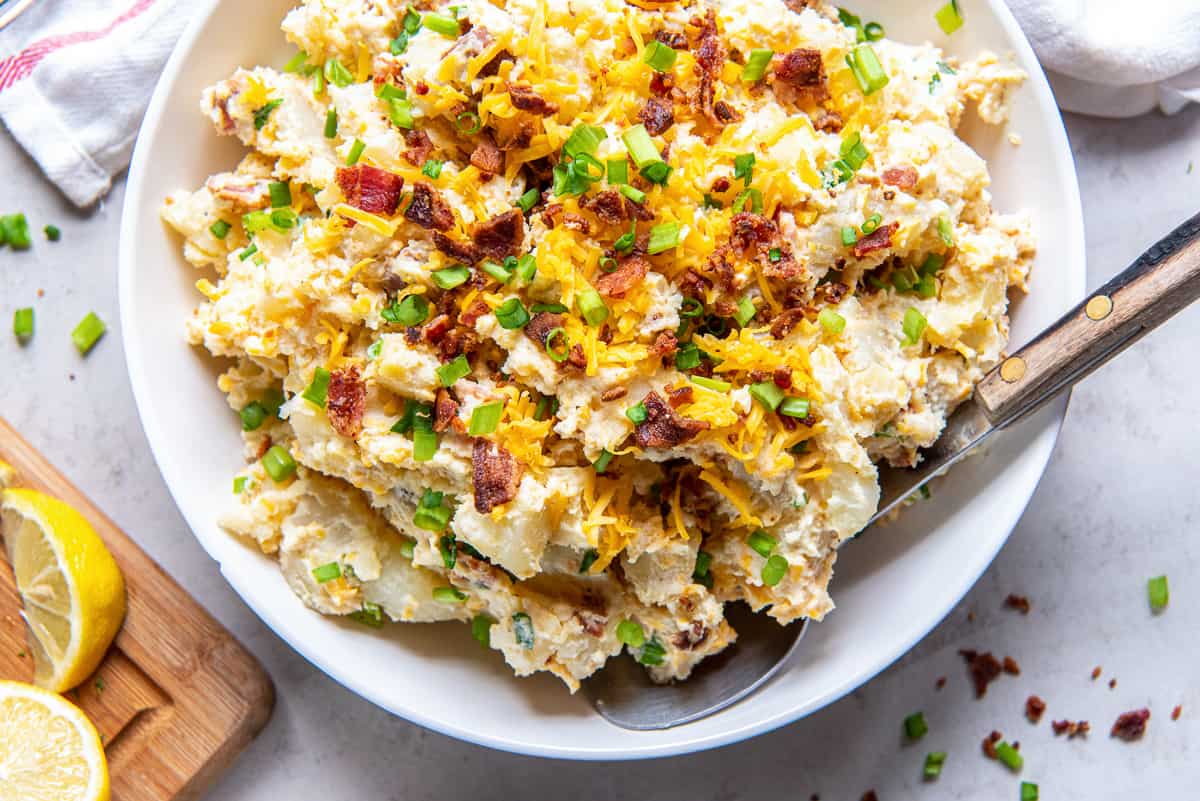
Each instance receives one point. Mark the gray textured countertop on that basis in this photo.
(1116, 506)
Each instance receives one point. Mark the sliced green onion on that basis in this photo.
(690, 308)
(640, 145)
(873, 31)
(762, 543)
(703, 564)
(523, 630)
(371, 615)
(220, 229)
(627, 240)
(52, 232)
(554, 339)
(831, 321)
(281, 194)
(468, 123)
(412, 21)
(425, 444)
(584, 139)
(408, 311)
(652, 653)
(659, 56)
(263, 113)
(528, 200)
(248, 252)
(608, 264)
(406, 547)
(932, 265)
(603, 461)
(946, 231)
(14, 231)
(849, 235)
(949, 18)
(711, 202)
(589, 558)
(511, 314)
(547, 407)
(631, 633)
(592, 306)
(432, 168)
(450, 277)
(711, 383)
(337, 74)
(656, 172)
(485, 418)
(318, 79)
(253, 415)
(852, 21)
(356, 151)
(481, 628)
(633, 193)
(496, 271)
(400, 112)
(1010, 756)
(413, 410)
(853, 152)
(663, 237)
(933, 765)
(754, 196)
(317, 391)
(687, 357)
(1029, 791)
(1158, 592)
(296, 63)
(914, 326)
(279, 464)
(774, 570)
(327, 572)
(448, 595)
(443, 25)
(756, 64)
(550, 308)
(743, 167)
(447, 548)
(902, 281)
(915, 726)
(768, 394)
(87, 333)
(239, 484)
(618, 171)
(23, 323)
(745, 311)
(433, 515)
(795, 407)
(871, 224)
(450, 372)
(926, 287)
(864, 64)
(637, 413)
(373, 350)
(588, 167)
(390, 92)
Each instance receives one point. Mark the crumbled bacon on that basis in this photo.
(576, 357)
(429, 209)
(1071, 728)
(1034, 708)
(1131, 725)
(526, 99)
(672, 39)
(1011, 667)
(487, 158)
(386, 69)
(421, 88)
(680, 397)
(869, 795)
(989, 744)
(419, 147)
(663, 428)
(1096, 672)
(541, 324)
(782, 377)
(785, 321)
(436, 328)
(614, 393)
(984, 669)
(346, 401)
(1018, 602)
(903, 177)
(501, 236)
(608, 205)
(721, 185)
(657, 115)
(691, 637)
(803, 73)
(445, 410)
(661, 84)
(455, 249)
(370, 189)
(751, 230)
(576, 222)
(497, 474)
(710, 59)
(473, 312)
(591, 622)
(879, 239)
(1176, 712)
(241, 193)
(664, 345)
(629, 273)
(940, 683)
(828, 122)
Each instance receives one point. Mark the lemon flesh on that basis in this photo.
(70, 585)
(49, 751)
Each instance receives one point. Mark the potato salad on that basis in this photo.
(576, 320)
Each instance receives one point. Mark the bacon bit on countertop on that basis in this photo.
(487, 158)
(1035, 707)
(1011, 667)
(1131, 725)
(614, 393)
(526, 99)
(496, 475)
(1176, 712)
(1070, 728)
(984, 669)
(989, 744)
(879, 239)
(501, 236)
(1112, 684)
(445, 410)
(657, 115)
(1017, 602)
(903, 177)
(419, 147)
(1096, 672)
(869, 795)
(629, 273)
(429, 209)
(940, 683)
(802, 71)
(540, 326)
(346, 401)
(663, 428)
(370, 189)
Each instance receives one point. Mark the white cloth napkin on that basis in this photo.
(76, 76)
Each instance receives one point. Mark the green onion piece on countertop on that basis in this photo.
(23, 323)
(1158, 592)
(949, 17)
(915, 726)
(52, 232)
(87, 333)
(933, 765)
(1010, 756)
(1029, 791)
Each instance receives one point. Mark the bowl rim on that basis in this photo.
(1044, 441)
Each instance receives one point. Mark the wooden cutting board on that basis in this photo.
(177, 698)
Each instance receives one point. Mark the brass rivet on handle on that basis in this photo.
(1013, 369)
(1099, 307)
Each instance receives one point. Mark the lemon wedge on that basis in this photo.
(48, 748)
(70, 585)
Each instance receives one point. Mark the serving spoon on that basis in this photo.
(1164, 280)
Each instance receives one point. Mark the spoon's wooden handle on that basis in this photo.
(1164, 280)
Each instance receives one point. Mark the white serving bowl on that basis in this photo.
(892, 585)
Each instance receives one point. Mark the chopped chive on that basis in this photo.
(915, 726)
(753, 195)
(902, 281)
(603, 461)
(87, 333)
(447, 547)
(279, 464)
(558, 346)
(795, 407)
(775, 254)
(631, 633)
(281, 194)
(528, 200)
(702, 572)
(656, 172)
(949, 18)
(52, 232)
(1158, 592)
(481, 628)
(868, 72)
(374, 349)
(485, 418)
(660, 57)
(691, 307)
(637, 413)
(743, 167)
(711, 383)
(774, 570)
(450, 277)
(854, 22)
(1029, 791)
(745, 311)
(762, 543)
(711, 202)
(327, 572)
(318, 390)
(523, 630)
(933, 765)
(448, 595)
(371, 615)
(511, 314)
(914, 326)
(444, 25)
(926, 287)
(768, 394)
(219, 229)
(756, 65)
(932, 265)
(1010, 756)
(253, 415)
(400, 112)
(831, 321)
(450, 372)
(407, 547)
(641, 146)
(663, 237)
(356, 151)
(589, 558)
(23, 324)
(263, 113)
(853, 152)
(592, 306)
(331, 123)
